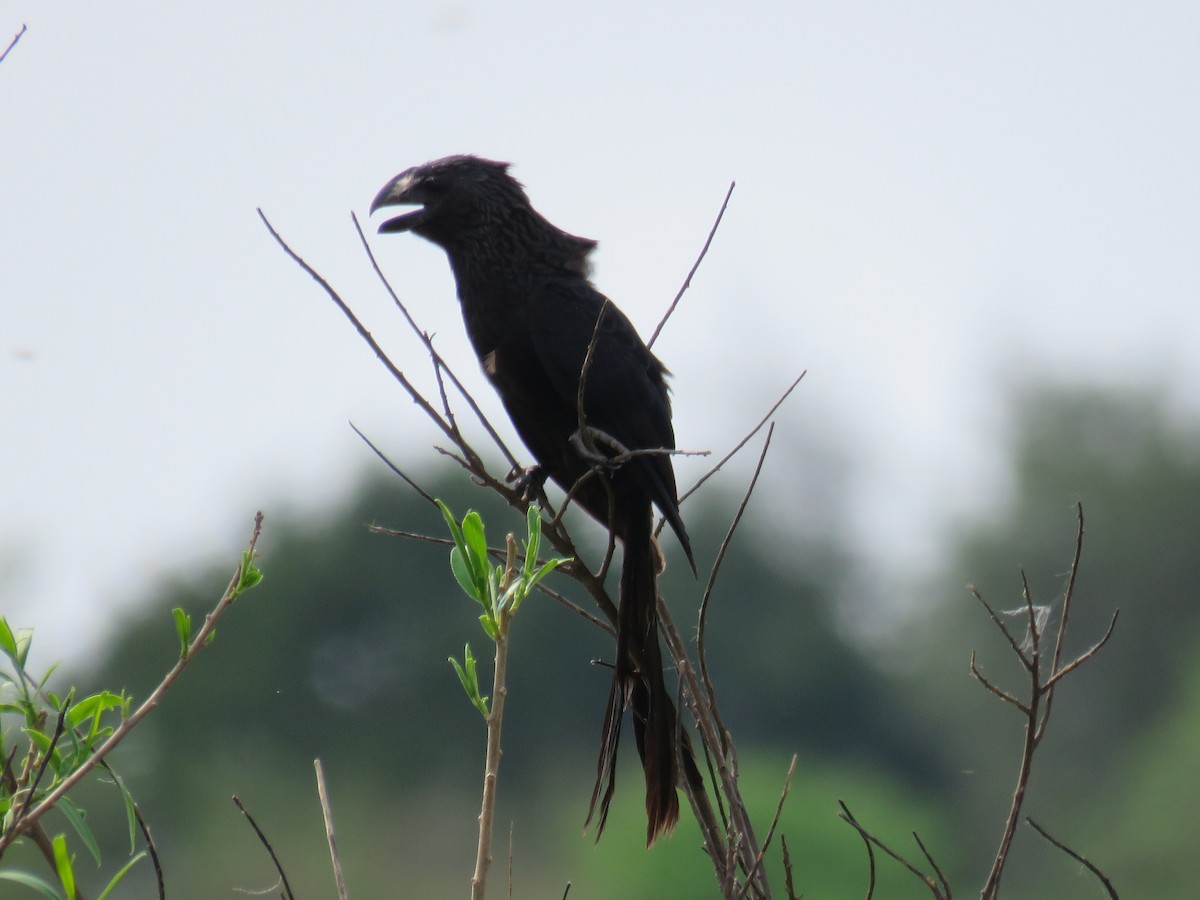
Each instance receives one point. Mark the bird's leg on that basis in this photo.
(530, 481)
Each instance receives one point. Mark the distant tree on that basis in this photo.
(1135, 465)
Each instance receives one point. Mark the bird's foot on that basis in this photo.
(530, 481)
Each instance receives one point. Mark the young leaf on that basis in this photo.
(251, 574)
(121, 874)
(473, 533)
(533, 522)
(75, 816)
(183, 628)
(8, 642)
(464, 576)
(31, 881)
(469, 677)
(451, 523)
(64, 866)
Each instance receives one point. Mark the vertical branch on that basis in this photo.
(495, 721)
(339, 877)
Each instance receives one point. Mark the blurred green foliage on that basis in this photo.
(342, 654)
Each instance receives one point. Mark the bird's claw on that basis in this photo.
(530, 482)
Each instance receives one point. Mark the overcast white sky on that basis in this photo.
(934, 201)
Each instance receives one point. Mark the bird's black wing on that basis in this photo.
(625, 394)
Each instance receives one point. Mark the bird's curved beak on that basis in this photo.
(398, 192)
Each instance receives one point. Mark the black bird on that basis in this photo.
(531, 313)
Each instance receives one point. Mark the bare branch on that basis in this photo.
(1069, 593)
(287, 888)
(584, 431)
(438, 362)
(787, 787)
(1012, 641)
(13, 42)
(1078, 661)
(788, 884)
(933, 862)
(391, 465)
(687, 282)
(999, 692)
(416, 396)
(701, 630)
(1068, 596)
(742, 443)
(1082, 860)
(327, 815)
(152, 849)
(846, 816)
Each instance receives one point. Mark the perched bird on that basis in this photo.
(531, 313)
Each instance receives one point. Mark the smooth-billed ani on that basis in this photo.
(531, 313)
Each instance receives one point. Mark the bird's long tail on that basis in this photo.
(638, 683)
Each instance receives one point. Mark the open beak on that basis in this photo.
(399, 192)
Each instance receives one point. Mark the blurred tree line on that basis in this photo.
(342, 654)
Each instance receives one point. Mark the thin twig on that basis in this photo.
(933, 886)
(339, 877)
(687, 282)
(998, 691)
(1012, 641)
(584, 431)
(1082, 860)
(152, 848)
(732, 453)
(416, 396)
(199, 642)
(439, 363)
(933, 862)
(287, 888)
(1068, 596)
(701, 629)
(788, 883)
(787, 787)
(862, 833)
(1080, 660)
(391, 465)
(13, 42)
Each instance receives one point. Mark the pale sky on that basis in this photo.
(935, 201)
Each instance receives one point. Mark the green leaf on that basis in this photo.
(31, 881)
(488, 621)
(63, 864)
(183, 628)
(130, 812)
(121, 874)
(533, 522)
(469, 677)
(451, 523)
(251, 575)
(95, 705)
(547, 568)
(474, 535)
(75, 816)
(8, 641)
(464, 576)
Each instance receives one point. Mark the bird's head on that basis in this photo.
(473, 208)
(453, 196)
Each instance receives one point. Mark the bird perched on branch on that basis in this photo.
(532, 315)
